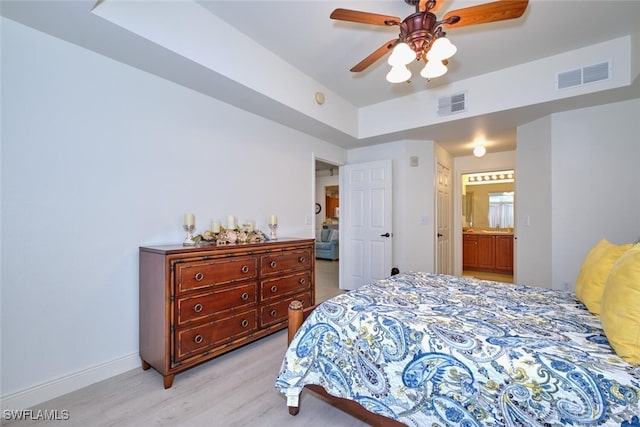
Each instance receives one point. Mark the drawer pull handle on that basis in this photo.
(245, 268)
(199, 276)
(244, 323)
(301, 259)
(197, 308)
(273, 264)
(273, 313)
(197, 339)
(302, 281)
(274, 288)
(244, 296)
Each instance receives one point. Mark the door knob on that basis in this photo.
(440, 234)
(385, 235)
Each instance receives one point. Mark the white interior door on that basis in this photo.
(444, 264)
(365, 223)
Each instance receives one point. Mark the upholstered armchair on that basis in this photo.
(327, 244)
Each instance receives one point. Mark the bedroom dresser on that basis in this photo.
(199, 302)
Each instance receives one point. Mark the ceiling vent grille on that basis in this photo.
(452, 104)
(584, 75)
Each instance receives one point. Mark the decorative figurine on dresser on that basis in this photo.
(198, 302)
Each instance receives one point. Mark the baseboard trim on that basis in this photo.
(56, 387)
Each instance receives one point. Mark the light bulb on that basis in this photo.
(398, 74)
(402, 55)
(441, 49)
(479, 150)
(433, 69)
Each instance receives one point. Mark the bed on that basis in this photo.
(422, 349)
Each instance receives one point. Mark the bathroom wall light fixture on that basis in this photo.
(490, 177)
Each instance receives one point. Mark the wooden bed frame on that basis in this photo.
(297, 314)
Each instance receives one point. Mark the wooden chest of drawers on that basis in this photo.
(199, 302)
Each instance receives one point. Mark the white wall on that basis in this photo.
(99, 158)
(578, 181)
(509, 88)
(595, 163)
(533, 204)
(413, 198)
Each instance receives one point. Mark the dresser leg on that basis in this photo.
(145, 366)
(168, 381)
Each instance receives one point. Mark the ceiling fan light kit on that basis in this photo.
(402, 55)
(433, 69)
(441, 49)
(398, 74)
(422, 35)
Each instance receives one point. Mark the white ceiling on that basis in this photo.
(301, 33)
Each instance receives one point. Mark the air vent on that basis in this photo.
(452, 104)
(584, 75)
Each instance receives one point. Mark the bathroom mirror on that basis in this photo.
(488, 200)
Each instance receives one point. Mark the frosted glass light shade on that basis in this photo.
(441, 49)
(433, 69)
(479, 150)
(398, 74)
(402, 55)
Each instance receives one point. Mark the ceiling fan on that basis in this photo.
(422, 35)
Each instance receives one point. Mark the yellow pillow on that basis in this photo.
(621, 306)
(594, 272)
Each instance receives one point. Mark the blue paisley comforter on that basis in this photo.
(435, 350)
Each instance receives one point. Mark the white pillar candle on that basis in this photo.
(189, 219)
(215, 226)
(231, 222)
(273, 220)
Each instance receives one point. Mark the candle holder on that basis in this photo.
(189, 240)
(274, 231)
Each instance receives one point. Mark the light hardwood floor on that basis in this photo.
(482, 275)
(235, 389)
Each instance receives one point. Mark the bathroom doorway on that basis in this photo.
(488, 221)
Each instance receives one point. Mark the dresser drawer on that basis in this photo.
(200, 306)
(201, 274)
(222, 330)
(279, 286)
(277, 312)
(275, 263)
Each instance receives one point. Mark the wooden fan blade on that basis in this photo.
(488, 12)
(364, 17)
(377, 54)
(435, 5)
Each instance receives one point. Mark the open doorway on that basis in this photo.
(327, 220)
(488, 206)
